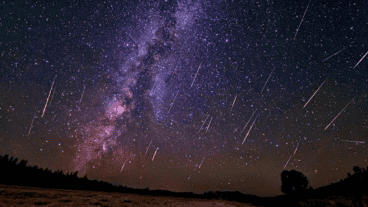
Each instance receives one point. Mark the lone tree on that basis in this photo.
(293, 181)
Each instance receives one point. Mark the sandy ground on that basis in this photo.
(30, 196)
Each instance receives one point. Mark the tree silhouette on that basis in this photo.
(357, 169)
(293, 181)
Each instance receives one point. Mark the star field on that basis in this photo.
(186, 95)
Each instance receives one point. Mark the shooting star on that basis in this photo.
(360, 142)
(249, 130)
(287, 162)
(122, 167)
(249, 120)
(209, 124)
(31, 124)
(173, 73)
(196, 74)
(148, 147)
(52, 96)
(154, 154)
(201, 164)
(172, 104)
(361, 59)
(297, 146)
(233, 102)
(314, 93)
(267, 80)
(153, 87)
(47, 100)
(338, 114)
(334, 54)
(203, 123)
(302, 20)
(84, 88)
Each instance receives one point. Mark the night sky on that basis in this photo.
(186, 95)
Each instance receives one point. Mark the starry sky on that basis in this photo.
(186, 95)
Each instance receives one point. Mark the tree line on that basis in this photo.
(295, 185)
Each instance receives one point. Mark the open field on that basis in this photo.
(32, 196)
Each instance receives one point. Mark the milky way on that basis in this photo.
(186, 95)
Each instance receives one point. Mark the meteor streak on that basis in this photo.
(203, 123)
(196, 74)
(233, 102)
(84, 88)
(148, 147)
(122, 167)
(287, 162)
(153, 87)
(249, 120)
(172, 104)
(209, 124)
(338, 114)
(314, 93)
(52, 96)
(201, 164)
(361, 59)
(249, 130)
(47, 100)
(267, 80)
(31, 124)
(360, 142)
(334, 54)
(173, 73)
(154, 154)
(301, 20)
(297, 146)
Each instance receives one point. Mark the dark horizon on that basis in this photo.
(294, 184)
(186, 95)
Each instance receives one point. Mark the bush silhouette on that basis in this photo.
(357, 169)
(293, 181)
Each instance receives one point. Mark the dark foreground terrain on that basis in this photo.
(22, 185)
(11, 195)
(31, 196)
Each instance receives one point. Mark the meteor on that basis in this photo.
(360, 142)
(154, 154)
(122, 167)
(203, 123)
(361, 59)
(233, 102)
(201, 164)
(47, 100)
(52, 96)
(196, 74)
(249, 121)
(287, 162)
(31, 124)
(297, 146)
(148, 147)
(172, 104)
(250, 129)
(84, 88)
(338, 114)
(173, 73)
(314, 93)
(209, 124)
(334, 54)
(301, 20)
(267, 80)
